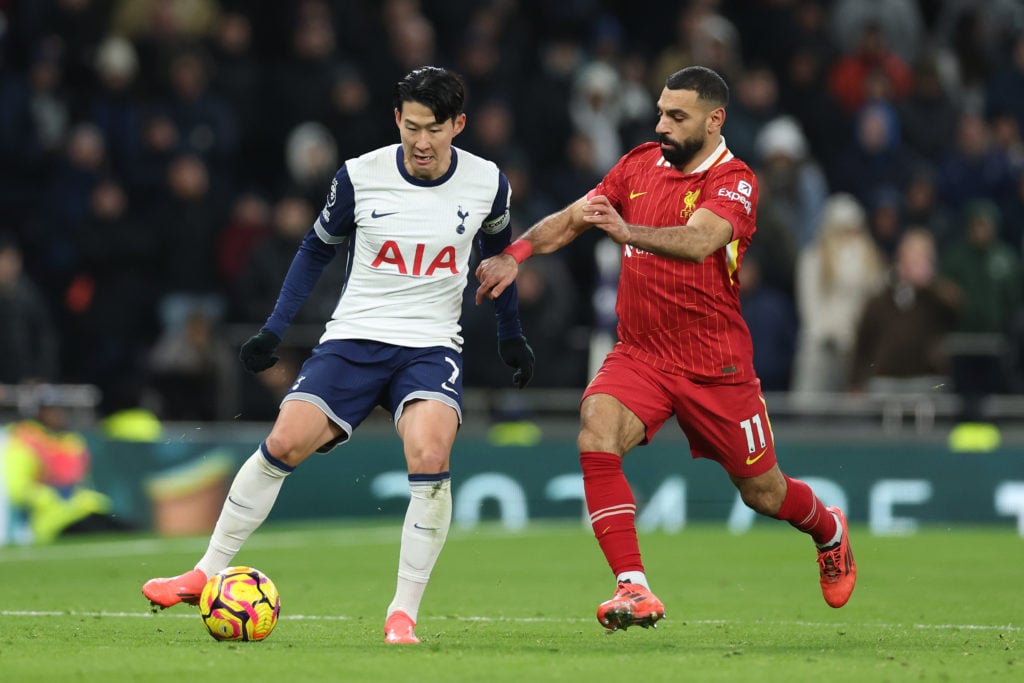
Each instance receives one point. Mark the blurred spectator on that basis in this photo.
(34, 119)
(188, 220)
(114, 105)
(207, 125)
(899, 21)
(596, 112)
(805, 96)
(774, 249)
(169, 19)
(790, 179)
(884, 212)
(974, 168)
(161, 140)
(46, 473)
(258, 285)
(637, 102)
(478, 60)
(29, 343)
(1006, 136)
(237, 77)
(1012, 225)
(81, 26)
(986, 268)
(1004, 93)
(547, 306)
(301, 81)
(771, 318)
(836, 274)
(876, 158)
(929, 115)
(411, 39)
(988, 273)
(530, 202)
(566, 183)
(350, 116)
(679, 52)
(867, 70)
(111, 303)
(753, 103)
(247, 226)
(544, 127)
(492, 134)
(193, 371)
(901, 336)
(966, 29)
(921, 207)
(52, 241)
(311, 157)
(716, 45)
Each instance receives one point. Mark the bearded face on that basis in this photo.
(680, 154)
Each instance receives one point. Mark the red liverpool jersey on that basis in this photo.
(679, 316)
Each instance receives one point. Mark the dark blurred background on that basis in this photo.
(161, 159)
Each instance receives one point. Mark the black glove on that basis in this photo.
(517, 354)
(257, 354)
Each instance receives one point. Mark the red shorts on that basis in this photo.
(727, 423)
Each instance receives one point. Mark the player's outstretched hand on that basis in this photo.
(600, 213)
(257, 354)
(495, 275)
(516, 353)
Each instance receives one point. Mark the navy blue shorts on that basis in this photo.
(348, 378)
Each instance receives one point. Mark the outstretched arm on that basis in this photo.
(547, 235)
(704, 233)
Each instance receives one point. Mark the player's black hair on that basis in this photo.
(440, 90)
(708, 85)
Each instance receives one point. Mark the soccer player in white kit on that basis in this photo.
(408, 215)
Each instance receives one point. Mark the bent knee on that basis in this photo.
(428, 461)
(287, 449)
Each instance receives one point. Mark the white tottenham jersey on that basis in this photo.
(411, 241)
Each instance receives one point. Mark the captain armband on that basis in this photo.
(493, 226)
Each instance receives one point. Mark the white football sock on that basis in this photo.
(427, 520)
(638, 578)
(839, 533)
(249, 501)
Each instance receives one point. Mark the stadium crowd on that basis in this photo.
(161, 159)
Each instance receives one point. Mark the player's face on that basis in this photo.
(427, 144)
(684, 126)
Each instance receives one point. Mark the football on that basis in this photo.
(240, 603)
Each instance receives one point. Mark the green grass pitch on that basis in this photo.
(941, 605)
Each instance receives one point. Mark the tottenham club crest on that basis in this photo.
(463, 215)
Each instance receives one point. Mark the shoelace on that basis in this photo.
(829, 561)
(630, 593)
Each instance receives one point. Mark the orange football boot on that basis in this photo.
(164, 593)
(632, 605)
(838, 570)
(399, 629)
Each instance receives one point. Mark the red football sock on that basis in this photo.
(806, 512)
(612, 510)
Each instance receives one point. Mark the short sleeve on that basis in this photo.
(611, 186)
(732, 195)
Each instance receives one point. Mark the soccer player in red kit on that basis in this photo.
(684, 210)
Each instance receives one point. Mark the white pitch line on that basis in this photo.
(520, 620)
